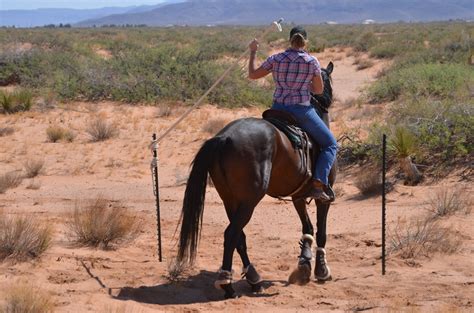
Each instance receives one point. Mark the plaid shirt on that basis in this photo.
(292, 72)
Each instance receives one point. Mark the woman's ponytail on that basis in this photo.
(297, 41)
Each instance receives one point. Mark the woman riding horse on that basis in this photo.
(250, 158)
(296, 73)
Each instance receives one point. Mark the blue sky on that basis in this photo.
(76, 4)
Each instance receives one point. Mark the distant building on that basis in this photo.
(331, 23)
(367, 22)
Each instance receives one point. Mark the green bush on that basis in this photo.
(440, 81)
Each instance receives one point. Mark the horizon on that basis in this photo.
(66, 4)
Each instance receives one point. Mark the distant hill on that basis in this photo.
(254, 12)
(41, 17)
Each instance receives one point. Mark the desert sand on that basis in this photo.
(129, 278)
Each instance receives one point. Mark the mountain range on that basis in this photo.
(254, 12)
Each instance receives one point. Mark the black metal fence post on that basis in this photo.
(156, 191)
(384, 169)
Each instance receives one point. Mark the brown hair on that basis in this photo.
(297, 41)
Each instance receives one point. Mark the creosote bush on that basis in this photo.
(24, 298)
(100, 129)
(101, 223)
(10, 180)
(23, 237)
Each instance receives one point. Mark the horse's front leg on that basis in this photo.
(322, 272)
(302, 274)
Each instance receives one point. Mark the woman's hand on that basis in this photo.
(253, 45)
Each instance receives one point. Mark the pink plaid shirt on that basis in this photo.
(292, 72)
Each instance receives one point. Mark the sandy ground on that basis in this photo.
(130, 279)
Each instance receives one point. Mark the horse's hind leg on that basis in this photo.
(302, 274)
(248, 271)
(322, 272)
(232, 237)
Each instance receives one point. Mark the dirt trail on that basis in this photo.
(131, 279)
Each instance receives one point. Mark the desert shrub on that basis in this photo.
(214, 125)
(55, 133)
(33, 167)
(16, 101)
(440, 130)
(422, 237)
(100, 223)
(24, 298)
(422, 80)
(449, 201)
(364, 41)
(100, 130)
(10, 180)
(385, 51)
(23, 237)
(363, 63)
(5, 131)
(369, 181)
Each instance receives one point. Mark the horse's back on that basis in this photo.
(257, 159)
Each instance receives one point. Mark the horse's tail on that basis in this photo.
(193, 203)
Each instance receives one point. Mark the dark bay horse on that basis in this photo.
(247, 159)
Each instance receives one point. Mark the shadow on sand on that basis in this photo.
(196, 289)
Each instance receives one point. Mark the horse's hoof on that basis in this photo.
(229, 292)
(301, 275)
(322, 272)
(257, 288)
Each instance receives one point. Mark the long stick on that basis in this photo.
(199, 101)
(156, 191)
(384, 168)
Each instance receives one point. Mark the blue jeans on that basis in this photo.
(311, 123)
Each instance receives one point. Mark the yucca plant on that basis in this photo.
(403, 144)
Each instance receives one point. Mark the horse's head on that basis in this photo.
(325, 99)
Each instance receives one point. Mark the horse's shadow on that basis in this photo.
(195, 289)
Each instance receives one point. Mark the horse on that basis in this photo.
(248, 159)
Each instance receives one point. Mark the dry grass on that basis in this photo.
(214, 125)
(23, 237)
(422, 237)
(10, 180)
(5, 131)
(24, 298)
(33, 167)
(369, 181)
(55, 133)
(449, 201)
(101, 222)
(163, 111)
(100, 130)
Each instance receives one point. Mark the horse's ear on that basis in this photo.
(329, 68)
